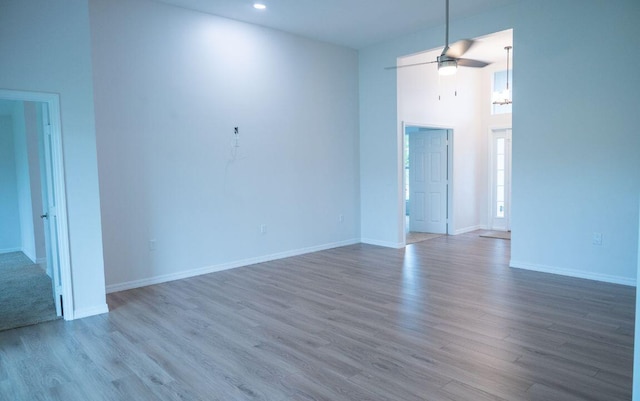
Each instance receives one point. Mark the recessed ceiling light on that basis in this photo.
(259, 6)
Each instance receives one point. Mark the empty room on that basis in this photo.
(230, 189)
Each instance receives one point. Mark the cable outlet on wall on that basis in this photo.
(263, 228)
(152, 244)
(597, 239)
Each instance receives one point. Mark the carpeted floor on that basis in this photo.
(497, 234)
(26, 295)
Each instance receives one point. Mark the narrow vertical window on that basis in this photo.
(499, 85)
(500, 179)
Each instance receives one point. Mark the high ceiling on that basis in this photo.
(352, 23)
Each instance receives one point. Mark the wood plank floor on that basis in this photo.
(444, 319)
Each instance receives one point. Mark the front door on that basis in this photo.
(428, 159)
(501, 180)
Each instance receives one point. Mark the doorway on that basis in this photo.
(42, 203)
(426, 181)
(500, 181)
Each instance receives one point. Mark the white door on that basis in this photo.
(428, 181)
(49, 214)
(501, 180)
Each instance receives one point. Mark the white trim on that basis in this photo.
(87, 312)
(401, 228)
(223, 266)
(470, 229)
(26, 96)
(425, 125)
(28, 254)
(9, 250)
(573, 273)
(53, 103)
(636, 352)
(64, 256)
(386, 244)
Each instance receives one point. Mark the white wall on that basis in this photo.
(575, 142)
(23, 182)
(170, 86)
(576, 165)
(32, 128)
(46, 48)
(426, 98)
(10, 239)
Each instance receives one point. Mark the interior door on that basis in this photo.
(428, 181)
(49, 214)
(501, 180)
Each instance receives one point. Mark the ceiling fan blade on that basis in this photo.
(409, 65)
(466, 62)
(456, 50)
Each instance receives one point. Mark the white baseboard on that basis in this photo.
(469, 229)
(86, 312)
(386, 244)
(224, 266)
(9, 250)
(573, 273)
(30, 255)
(42, 262)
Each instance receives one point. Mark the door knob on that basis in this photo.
(44, 216)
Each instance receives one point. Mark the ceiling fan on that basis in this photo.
(451, 56)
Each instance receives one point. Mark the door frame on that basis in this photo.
(52, 100)
(450, 201)
(491, 181)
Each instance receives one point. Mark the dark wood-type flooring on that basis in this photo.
(444, 319)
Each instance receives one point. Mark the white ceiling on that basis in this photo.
(351, 23)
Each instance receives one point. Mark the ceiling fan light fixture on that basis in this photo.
(447, 67)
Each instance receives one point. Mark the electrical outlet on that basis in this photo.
(152, 245)
(597, 239)
(263, 229)
(341, 218)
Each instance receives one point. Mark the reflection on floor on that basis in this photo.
(497, 234)
(26, 295)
